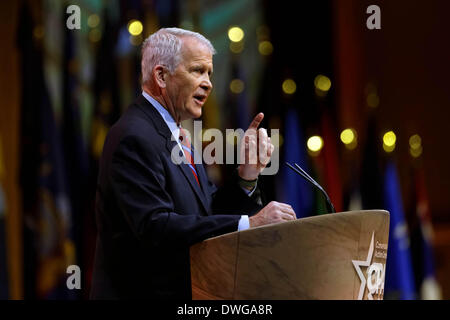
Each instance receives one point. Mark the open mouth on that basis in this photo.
(200, 99)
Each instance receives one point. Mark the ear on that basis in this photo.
(159, 75)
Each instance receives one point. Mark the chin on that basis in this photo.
(198, 115)
(195, 113)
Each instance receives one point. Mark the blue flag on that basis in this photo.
(399, 283)
(294, 190)
(422, 242)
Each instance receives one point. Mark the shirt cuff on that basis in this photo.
(244, 223)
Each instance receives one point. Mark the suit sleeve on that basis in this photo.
(231, 199)
(137, 180)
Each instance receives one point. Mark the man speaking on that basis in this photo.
(149, 210)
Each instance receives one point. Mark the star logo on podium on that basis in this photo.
(376, 268)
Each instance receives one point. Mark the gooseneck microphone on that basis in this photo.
(306, 176)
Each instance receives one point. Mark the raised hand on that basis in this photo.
(256, 150)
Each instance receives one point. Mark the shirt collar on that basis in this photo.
(167, 117)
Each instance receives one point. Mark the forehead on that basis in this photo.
(194, 50)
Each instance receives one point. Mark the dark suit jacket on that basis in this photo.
(149, 211)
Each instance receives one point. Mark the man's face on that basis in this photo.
(190, 85)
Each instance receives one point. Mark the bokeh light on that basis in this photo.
(235, 34)
(289, 86)
(415, 141)
(265, 48)
(373, 100)
(349, 138)
(135, 27)
(389, 140)
(315, 143)
(322, 83)
(93, 20)
(237, 86)
(415, 146)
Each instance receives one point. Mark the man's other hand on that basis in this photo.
(274, 212)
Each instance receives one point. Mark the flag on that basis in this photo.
(330, 157)
(47, 217)
(294, 190)
(422, 242)
(4, 289)
(399, 281)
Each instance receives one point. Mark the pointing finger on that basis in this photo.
(256, 121)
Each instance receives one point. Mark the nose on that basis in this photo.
(206, 84)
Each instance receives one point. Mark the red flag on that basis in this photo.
(330, 163)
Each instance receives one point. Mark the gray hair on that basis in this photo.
(164, 47)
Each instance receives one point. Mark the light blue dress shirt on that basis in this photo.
(244, 222)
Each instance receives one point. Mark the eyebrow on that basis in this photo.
(198, 65)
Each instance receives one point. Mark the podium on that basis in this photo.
(332, 256)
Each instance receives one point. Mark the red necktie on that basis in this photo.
(186, 144)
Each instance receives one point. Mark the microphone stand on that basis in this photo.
(306, 176)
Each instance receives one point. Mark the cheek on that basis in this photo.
(184, 90)
(184, 96)
(188, 91)
(176, 93)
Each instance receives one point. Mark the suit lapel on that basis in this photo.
(204, 182)
(189, 176)
(203, 178)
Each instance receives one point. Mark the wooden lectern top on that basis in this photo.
(333, 256)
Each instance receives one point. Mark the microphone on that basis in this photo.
(306, 176)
